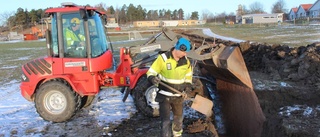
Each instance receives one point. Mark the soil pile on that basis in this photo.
(299, 64)
(286, 81)
(290, 93)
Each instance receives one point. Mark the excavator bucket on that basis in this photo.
(240, 106)
(227, 64)
(241, 110)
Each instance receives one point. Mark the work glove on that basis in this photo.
(187, 93)
(184, 95)
(154, 80)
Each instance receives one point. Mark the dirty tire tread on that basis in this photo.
(139, 97)
(73, 100)
(86, 101)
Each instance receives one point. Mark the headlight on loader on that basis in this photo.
(24, 78)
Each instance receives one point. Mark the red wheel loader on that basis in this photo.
(69, 77)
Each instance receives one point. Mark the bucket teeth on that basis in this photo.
(201, 125)
(197, 126)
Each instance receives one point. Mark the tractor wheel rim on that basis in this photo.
(150, 95)
(55, 102)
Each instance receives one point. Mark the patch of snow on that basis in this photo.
(299, 110)
(127, 41)
(268, 85)
(110, 107)
(278, 36)
(284, 84)
(208, 32)
(19, 117)
(318, 108)
(22, 58)
(286, 111)
(12, 41)
(307, 111)
(18, 41)
(8, 67)
(40, 48)
(293, 41)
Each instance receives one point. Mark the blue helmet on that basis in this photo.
(183, 45)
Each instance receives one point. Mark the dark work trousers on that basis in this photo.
(166, 105)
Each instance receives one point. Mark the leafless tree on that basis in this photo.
(5, 18)
(245, 10)
(117, 13)
(279, 7)
(256, 7)
(242, 10)
(102, 7)
(205, 14)
(188, 16)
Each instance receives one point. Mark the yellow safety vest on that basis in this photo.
(171, 71)
(71, 37)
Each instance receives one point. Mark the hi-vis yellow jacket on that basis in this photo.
(170, 71)
(73, 38)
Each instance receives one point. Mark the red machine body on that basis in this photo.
(75, 70)
(86, 75)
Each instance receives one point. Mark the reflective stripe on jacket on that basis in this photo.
(71, 37)
(171, 71)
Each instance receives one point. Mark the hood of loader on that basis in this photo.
(227, 64)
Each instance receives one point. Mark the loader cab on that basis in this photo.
(77, 39)
(67, 34)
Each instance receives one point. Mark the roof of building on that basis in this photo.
(306, 6)
(294, 10)
(273, 14)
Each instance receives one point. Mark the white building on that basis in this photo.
(262, 18)
(292, 14)
(167, 23)
(314, 10)
(303, 10)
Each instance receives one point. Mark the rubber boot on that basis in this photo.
(176, 133)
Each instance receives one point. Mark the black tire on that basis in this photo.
(86, 101)
(55, 101)
(146, 106)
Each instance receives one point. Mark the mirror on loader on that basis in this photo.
(48, 42)
(83, 14)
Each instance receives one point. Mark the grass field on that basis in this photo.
(284, 34)
(14, 54)
(272, 34)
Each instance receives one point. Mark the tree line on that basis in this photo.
(257, 7)
(130, 13)
(24, 18)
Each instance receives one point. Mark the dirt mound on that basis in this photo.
(289, 95)
(299, 64)
(286, 81)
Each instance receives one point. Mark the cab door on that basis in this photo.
(74, 43)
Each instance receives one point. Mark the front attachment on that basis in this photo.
(223, 62)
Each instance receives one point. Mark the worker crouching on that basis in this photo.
(174, 69)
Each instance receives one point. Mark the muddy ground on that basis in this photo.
(286, 82)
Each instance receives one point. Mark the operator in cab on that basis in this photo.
(73, 36)
(174, 69)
